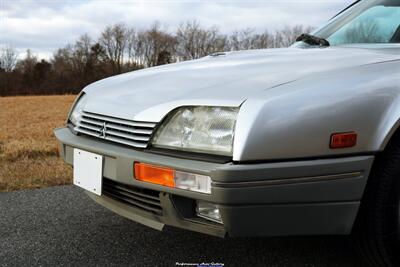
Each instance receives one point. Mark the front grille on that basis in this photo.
(144, 199)
(131, 133)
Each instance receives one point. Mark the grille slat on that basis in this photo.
(129, 136)
(145, 199)
(131, 133)
(109, 138)
(142, 201)
(119, 121)
(84, 120)
(130, 201)
(129, 191)
(129, 129)
(90, 127)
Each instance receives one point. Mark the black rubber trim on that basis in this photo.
(190, 155)
(347, 8)
(71, 126)
(287, 181)
(396, 36)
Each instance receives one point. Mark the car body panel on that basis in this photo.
(297, 120)
(226, 80)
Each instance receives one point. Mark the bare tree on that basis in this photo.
(8, 58)
(27, 64)
(191, 40)
(62, 64)
(81, 54)
(288, 35)
(241, 40)
(195, 41)
(157, 47)
(132, 47)
(262, 41)
(27, 71)
(247, 39)
(114, 40)
(214, 42)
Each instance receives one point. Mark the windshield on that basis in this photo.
(370, 21)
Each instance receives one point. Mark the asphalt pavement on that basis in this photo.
(62, 226)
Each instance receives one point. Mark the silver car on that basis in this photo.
(297, 141)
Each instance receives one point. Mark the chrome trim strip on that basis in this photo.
(119, 121)
(113, 139)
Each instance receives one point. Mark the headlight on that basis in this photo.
(77, 110)
(199, 129)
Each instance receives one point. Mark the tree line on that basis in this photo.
(121, 49)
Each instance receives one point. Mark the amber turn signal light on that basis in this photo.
(343, 140)
(154, 174)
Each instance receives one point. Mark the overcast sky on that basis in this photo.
(45, 25)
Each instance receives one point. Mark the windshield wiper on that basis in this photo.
(313, 40)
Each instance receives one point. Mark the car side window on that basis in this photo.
(379, 24)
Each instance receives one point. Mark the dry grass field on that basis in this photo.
(28, 149)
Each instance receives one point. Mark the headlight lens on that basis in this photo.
(77, 111)
(199, 129)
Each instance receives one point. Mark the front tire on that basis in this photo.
(377, 229)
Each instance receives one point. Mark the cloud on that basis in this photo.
(47, 25)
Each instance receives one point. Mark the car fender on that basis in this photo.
(297, 119)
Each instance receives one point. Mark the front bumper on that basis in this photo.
(313, 197)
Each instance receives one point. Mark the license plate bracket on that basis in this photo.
(88, 171)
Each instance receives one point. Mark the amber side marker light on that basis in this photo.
(343, 140)
(154, 174)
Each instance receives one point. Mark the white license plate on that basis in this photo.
(88, 171)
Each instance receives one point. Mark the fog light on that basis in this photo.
(208, 211)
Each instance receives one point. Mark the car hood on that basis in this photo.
(226, 79)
